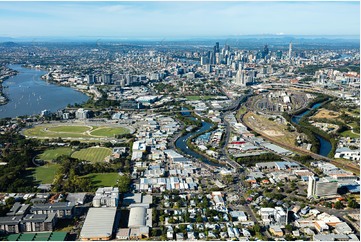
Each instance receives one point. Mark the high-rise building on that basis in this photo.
(290, 51)
(279, 54)
(326, 186)
(90, 79)
(265, 51)
(240, 80)
(82, 114)
(217, 47)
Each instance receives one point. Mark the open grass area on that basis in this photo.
(327, 114)
(109, 132)
(348, 133)
(81, 132)
(103, 179)
(45, 174)
(93, 154)
(52, 154)
(241, 111)
(196, 98)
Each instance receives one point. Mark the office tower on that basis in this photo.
(265, 51)
(279, 54)
(203, 60)
(240, 80)
(208, 68)
(217, 47)
(326, 186)
(290, 51)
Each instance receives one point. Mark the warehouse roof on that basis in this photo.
(98, 223)
(137, 217)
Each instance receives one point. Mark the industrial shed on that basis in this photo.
(99, 224)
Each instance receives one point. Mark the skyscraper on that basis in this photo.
(290, 51)
(217, 47)
(265, 51)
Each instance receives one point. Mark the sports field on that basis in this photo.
(109, 131)
(93, 154)
(52, 154)
(45, 174)
(103, 179)
(74, 131)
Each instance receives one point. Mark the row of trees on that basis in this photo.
(251, 160)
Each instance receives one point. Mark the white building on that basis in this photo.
(81, 113)
(326, 186)
(106, 197)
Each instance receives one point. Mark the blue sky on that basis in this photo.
(177, 19)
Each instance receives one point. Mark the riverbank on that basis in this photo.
(5, 73)
(322, 142)
(28, 94)
(183, 142)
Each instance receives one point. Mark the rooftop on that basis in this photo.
(98, 223)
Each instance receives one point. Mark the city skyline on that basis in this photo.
(177, 19)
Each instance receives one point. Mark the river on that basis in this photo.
(181, 142)
(325, 145)
(28, 94)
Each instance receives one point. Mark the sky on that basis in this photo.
(177, 19)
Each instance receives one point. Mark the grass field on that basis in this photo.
(109, 132)
(52, 154)
(93, 154)
(45, 174)
(348, 133)
(69, 129)
(73, 131)
(103, 179)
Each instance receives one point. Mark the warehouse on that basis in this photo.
(140, 220)
(99, 224)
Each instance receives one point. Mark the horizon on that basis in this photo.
(178, 20)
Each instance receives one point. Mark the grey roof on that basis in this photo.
(137, 217)
(39, 218)
(330, 237)
(147, 199)
(10, 220)
(98, 223)
(52, 206)
(130, 198)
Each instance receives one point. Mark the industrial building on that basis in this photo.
(99, 224)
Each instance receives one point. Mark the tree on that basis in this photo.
(352, 204)
(124, 183)
(338, 205)
(257, 228)
(288, 227)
